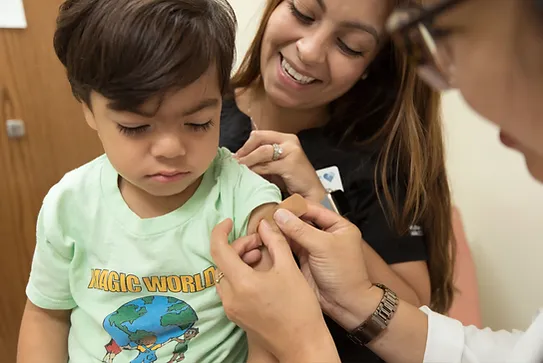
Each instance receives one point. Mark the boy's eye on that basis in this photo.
(132, 131)
(201, 127)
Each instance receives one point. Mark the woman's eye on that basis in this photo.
(132, 131)
(440, 33)
(349, 51)
(299, 15)
(201, 127)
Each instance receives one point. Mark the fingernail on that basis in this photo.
(265, 224)
(256, 239)
(281, 216)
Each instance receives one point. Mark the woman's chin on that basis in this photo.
(535, 167)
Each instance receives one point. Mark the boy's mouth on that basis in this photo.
(169, 176)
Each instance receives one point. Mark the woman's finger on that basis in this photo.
(278, 247)
(246, 243)
(259, 138)
(262, 154)
(225, 256)
(273, 168)
(224, 288)
(322, 217)
(252, 257)
(299, 231)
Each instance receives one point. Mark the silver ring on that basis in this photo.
(277, 151)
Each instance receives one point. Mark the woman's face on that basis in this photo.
(314, 51)
(497, 52)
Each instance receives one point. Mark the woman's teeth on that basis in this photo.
(300, 78)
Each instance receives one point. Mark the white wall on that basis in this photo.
(248, 13)
(502, 206)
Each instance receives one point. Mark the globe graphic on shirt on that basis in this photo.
(160, 318)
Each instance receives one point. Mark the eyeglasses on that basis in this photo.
(411, 28)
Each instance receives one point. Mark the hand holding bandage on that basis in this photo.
(261, 301)
(240, 284)
(250, 247)
(296, 204)
(258, 256)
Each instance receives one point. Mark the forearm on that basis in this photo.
(404, 341)
(43, 336)
(379, 271)
(316, 194)
(312, 344)
(258, 353)
(319, 347)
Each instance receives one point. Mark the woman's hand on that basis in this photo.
(331, 258)
(276, 306)
(292, 171)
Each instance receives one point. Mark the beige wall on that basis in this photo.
(501, 205)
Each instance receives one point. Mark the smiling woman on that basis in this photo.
(495, 60)
(320, 100)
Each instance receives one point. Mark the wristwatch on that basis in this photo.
(378, 321)
(336, 201)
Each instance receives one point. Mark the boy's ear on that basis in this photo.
(89, 116)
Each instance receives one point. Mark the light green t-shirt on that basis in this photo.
(136, 286)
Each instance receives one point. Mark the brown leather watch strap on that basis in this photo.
(378, 321)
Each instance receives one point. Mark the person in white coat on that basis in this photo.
(492, 51)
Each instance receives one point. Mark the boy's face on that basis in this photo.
(163, 155)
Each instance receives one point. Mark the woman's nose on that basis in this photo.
(311, 49)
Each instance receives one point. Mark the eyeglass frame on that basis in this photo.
(399, 33)
(426, 14)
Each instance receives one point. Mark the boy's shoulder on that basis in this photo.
(230, 173)
(225, 163)
(82, 182)
(240, 191)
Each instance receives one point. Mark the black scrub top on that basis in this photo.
(356, 169)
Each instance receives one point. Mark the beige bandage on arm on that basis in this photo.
(295, 204)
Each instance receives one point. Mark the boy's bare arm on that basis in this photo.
(295, 203)
(259, 214)
(44, 335)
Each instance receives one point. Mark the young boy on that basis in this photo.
(122, 269)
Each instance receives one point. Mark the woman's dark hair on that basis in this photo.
(538, 4)
(132, 50)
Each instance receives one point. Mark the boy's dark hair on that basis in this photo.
(132, 50)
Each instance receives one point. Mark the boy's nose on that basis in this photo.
(169, 146)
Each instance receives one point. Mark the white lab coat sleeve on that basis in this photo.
(449, 341)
